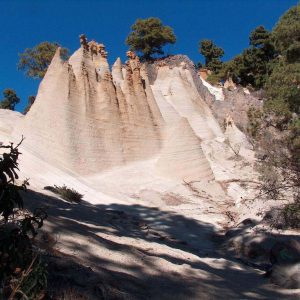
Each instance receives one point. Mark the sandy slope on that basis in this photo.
(150, 237)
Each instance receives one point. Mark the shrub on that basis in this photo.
(19, 260)
(291, 213)
(66, 193)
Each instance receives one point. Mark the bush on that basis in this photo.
(66, 193)
(19, 260)
(291, 213)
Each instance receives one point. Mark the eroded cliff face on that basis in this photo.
(88, 118)
(87, 121)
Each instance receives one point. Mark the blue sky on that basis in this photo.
(25, 23)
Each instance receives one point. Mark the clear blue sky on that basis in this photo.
(25, 23)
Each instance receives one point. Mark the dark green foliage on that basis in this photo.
(148, 36)
(291, 213)
(35, 61)
(15, 243)
(283, 89)
(252, 66)
(259, 36)
(9, 191)
(198, 65)
(293, 53)
(255, 117)
(66, 193)
(31, 100)
(35, 283)
(212, 55)
(287, 30)
(17, 256)
(273, 62)
(10, 99)
(282, 86)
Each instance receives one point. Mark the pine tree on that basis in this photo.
(212, 55)
(148, 37)
(10, 99)
(35, 61)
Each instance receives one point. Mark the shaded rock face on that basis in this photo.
(236, 103)
(278, 255)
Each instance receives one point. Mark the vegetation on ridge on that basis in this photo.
(10, 99)
(212, 55)
(148, 37)
(35, 61)
(276, 129)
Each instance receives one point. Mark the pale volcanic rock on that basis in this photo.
(8, 120)
(87, 119)
(176, 87)
(117, 72)
(182, 157)
(87, 122)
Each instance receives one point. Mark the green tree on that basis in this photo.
(10, 99)
(279, 127)
(282, 86)
(148, 37)
(212, 55)
(253, 65)
(259, 37)
(254, 68)
(35, 61)
(283, 90)
(287, 30)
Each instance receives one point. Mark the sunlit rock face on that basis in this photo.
(86, 121)
(88, 118)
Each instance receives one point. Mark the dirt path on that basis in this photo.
(151, 253)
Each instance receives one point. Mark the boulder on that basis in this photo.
(285, 259)
(285, 253)
(286, 276)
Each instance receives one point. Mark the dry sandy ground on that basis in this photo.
(154, 252)
(157, 239)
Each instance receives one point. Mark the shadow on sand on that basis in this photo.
(110, 229)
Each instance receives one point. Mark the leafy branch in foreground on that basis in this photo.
(19, 259)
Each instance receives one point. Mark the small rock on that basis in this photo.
(286, 276)
(285, 252)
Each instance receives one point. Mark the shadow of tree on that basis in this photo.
(149, 253)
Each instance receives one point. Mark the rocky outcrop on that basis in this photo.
(85, 121)
(88, 118)
(236, 103)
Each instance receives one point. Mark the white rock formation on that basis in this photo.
(216, 91)
(87, 119)
(182, 156)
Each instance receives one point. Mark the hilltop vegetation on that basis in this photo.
(148, 37)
